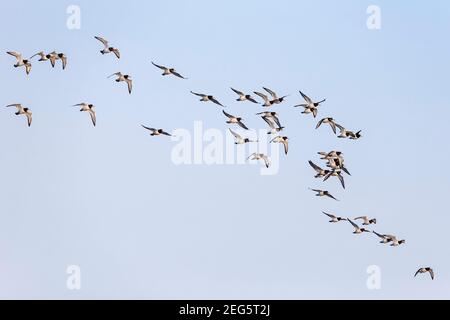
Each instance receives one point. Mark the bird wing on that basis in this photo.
(29, 118)
(353, 224)
(64, 62)
(286, 146)
(198, 94)
(228, 115)
(361, 218)
(315, 166)
(320, 123)
(266, 161)
(148, 128)
(214, 100)
(158, 66)
(271, 92)
(262, 95)
(118, 74)
(341, 178)
(17, 105)
(307, 99)
(431, 273)
(117, 53)
(93, 117)
(270, 122)
(331, 196)
(235, 134)
(165, 133)
(238, 92)
(105, 42)
(130, 85)
(17, 55)
(379, 235)
(417, 272)
(251, 99)
(37, 54)
(242, 125)
(329, 215)
(176, 74)
(28, 68)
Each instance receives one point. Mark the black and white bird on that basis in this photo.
(89, 108)
(271, 118)
(157, 132)
(207, 98)
(358, 229)
(260, 156)
(329, 121)
(267, 101)
(124, 78)
(235, 120)
(310, 106)
(169, 71)
(21, 110)
(275, 98)
(425, 270)
(334, 219)
(323, 193)
(108, 48)
(20, 61)
(282, 140)
(320, 173)
(384, 237)
(366, 220)
(243, 96)
(239, 139)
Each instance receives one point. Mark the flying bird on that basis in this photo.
(395, 241)
(320, 172)
(310, 106)
(235, 120)
(260, 156)
(168, 71)
(89, 108)
(284, 141)
(207, 98)
(275, 98)
(384, 237)
(425, 270)
(20, 61)
(243, 96)
(108, 48)
(323, 193)
(347, 134)
(329, 121)
(358, 230)
(267, 101)
(124, 78)
(22, 111)
(239, 139)
(334, 219)
(366, 220)
(157, 132)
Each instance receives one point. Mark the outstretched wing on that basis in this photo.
(158, 66)
(307, 99)
(105, 42)
(238, 92)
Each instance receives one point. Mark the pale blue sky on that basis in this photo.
(110, 200)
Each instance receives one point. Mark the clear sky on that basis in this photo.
(110, 199)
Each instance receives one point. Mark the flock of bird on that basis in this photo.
(334, 160)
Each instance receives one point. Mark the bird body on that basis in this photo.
(21, 110)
